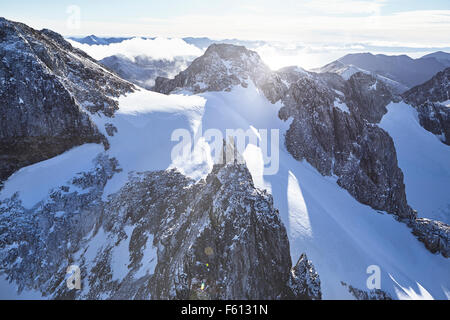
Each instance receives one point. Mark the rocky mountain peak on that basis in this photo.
(47, 91)
(46, 53)
(231, 52)
(220, 68)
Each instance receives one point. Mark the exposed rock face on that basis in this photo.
(226, 235)
(304, 281)
(434, 234)
(426, 98)
(374, 294)
(367, 97)
(343, 142)
(162, 236)
(437, 89)
(435, 118)
(46, 86)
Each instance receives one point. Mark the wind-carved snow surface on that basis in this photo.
(145, 122)
(121, 256)
(149, 259)
(424, 160)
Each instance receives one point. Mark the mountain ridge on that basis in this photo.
(42, 70)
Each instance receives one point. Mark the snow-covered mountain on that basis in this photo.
(346, 71)
(402, 71)
(141, 222)
(94, 40)
(48, 89)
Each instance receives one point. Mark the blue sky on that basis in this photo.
(106, 10)
(395, 22)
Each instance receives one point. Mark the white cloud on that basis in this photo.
(429, 27)
(277, 59)
(306, 56)
(345, 7)
(322, 25)
(159, 48)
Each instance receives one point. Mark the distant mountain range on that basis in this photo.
(404, 70)
(201, 42)
(94, 40)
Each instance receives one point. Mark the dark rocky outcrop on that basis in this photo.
(46, 89)
(346, 144)
(304, 280)
(434, 234)
(367, 97)
(437, 89)
(426, 98)
(435, 118)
